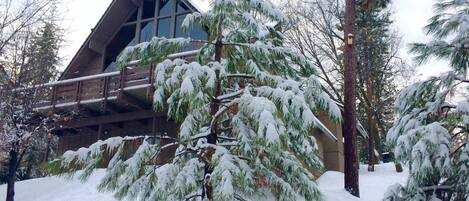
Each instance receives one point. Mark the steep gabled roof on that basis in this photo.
(110, 22)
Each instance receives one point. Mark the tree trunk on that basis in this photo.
(12, 168)
(375, 127)
(350, 120)
(371, 130)
(214, 107)
(370, 108)
(46, 155)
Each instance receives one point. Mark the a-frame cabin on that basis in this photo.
(109, 102)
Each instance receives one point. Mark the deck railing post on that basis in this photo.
(122, 79)
(151, 81)
(53, 96)
(106, 87)
(105, 94)
(78, 92)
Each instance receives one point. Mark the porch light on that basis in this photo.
(350, 39)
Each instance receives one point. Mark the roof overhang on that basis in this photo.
(95, 43)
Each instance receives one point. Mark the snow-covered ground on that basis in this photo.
(372, 186)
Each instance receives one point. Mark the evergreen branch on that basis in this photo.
(187, 150)
(221, 111)
(200, 135)
(458, 149)
(226, 138)
(166, 146)
(241, 75)
(193, 196)
(437, 187)
(229, 96)
(239, 197)
(228, 144)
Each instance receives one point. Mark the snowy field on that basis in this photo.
(372, 187)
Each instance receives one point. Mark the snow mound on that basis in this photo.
(59, 189)
(373, 185)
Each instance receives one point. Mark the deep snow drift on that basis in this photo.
(372, 187)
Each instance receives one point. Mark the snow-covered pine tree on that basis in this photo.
(246, 107)
(450, 31)
(431, 133)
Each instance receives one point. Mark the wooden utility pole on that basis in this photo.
(350, 120)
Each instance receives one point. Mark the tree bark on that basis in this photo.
(350, 121)
(376, 130)
(214, 107)
(371, 105)
(12, 168)
(371, 130)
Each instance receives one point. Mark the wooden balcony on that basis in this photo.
(132, 86)
(98, 88)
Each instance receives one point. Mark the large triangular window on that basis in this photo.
(161, 18)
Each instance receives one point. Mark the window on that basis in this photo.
(149, 7)
(146, 31)
(179, 31)
(162, 18)
(196, 31)
(124, 38)
(166, 7)
(164, 27)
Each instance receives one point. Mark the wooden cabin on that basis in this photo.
(109, 102)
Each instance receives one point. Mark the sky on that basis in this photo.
(80, 17)
(410, 16)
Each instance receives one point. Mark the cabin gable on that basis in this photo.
(127, 23)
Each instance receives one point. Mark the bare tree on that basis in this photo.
(316, 32)
(18, 15)
(28, 57)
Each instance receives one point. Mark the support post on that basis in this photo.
(78, 95)
(105, 94)
(53, 97)
(151, 81)
(100, 131)
(153, 129)
(122, 79)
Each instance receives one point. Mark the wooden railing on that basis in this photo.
(96, 88)
(100, 87)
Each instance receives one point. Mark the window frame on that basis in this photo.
(173, 17)
(139, 21)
